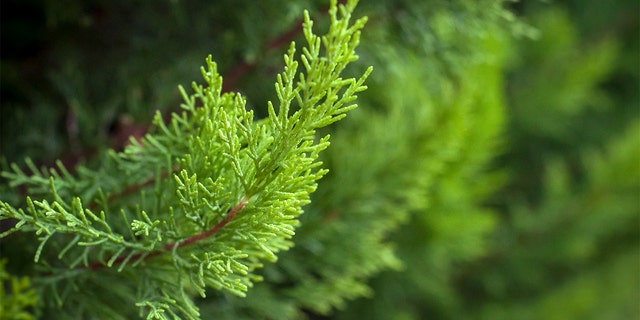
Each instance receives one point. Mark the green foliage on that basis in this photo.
(199, 203)
(454, 133)
(565, 70)
(17, 296)
(396, 196)
(490, 171)
(590, 233)
(568, 236)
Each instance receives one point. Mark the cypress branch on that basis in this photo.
(201, 202)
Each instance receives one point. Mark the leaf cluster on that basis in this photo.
(200, 202)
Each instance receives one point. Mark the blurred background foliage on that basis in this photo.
(491, 172)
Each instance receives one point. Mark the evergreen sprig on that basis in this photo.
(200, 202)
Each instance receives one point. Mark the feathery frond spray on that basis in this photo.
(201, 202)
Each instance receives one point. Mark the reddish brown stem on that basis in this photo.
(231, 77)
(178, 244)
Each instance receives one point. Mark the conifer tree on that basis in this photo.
(489, 172)
(202, 202)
